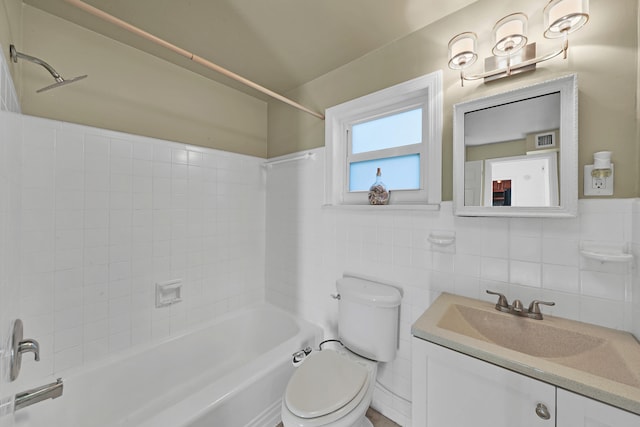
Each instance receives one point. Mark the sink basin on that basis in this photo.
(547, 346)
(527, 336)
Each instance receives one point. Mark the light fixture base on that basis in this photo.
(501, 62)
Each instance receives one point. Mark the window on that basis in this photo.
(399, 130)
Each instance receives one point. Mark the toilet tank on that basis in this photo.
(368, 318)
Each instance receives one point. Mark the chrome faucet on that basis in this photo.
(30, 346)
(534, 309)
(18, 347)
(38, 394)
(532, 312)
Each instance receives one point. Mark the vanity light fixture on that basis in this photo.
(511, 53)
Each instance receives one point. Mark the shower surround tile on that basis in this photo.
(635, 280)
(106, 215)
(10, 238)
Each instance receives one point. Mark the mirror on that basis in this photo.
(516, 153)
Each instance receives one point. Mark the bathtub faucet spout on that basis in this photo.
(38, 394)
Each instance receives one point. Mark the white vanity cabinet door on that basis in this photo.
(575, 410)
(451, 389)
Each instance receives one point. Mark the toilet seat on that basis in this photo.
(326, 382)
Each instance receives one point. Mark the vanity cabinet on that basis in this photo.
(576, 410)
(453, 389)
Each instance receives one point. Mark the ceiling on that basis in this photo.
(512, 121)
(279, 44)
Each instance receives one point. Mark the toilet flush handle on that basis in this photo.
(298, 356)
(335, 296)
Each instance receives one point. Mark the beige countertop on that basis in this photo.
(597, 362)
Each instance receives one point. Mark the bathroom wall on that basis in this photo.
(10, 157)
(636, 210)
(8, 96)
(309, 246)
(10, 29)
(131, 91)
(635, 289)
(102, 217)
(607, 98)
(70, 195)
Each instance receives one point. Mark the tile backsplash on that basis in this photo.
(310, 245)
(104, 216)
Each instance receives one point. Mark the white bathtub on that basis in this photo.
(230, 373)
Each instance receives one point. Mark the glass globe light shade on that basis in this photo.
(510, 34)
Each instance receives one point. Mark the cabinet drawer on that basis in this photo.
(453, 389)
(576, 410)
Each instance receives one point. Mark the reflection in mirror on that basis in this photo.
(515, 154)
(501, 192)
(515, 142)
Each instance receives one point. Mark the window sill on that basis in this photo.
(384, 208)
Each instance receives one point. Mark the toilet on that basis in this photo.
(334, 387)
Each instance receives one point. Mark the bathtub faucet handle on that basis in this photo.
(18, 346)
(335, 296)
(30, 346)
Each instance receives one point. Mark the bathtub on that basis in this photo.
(228, 373)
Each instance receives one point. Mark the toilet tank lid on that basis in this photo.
(368, 292)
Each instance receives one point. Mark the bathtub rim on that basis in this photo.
(72, 373)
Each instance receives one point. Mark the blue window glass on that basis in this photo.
(398, 173)
(397, 130)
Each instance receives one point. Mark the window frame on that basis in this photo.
(424, 92)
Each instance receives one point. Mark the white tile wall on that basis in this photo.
(635, 288)
(105, 216)
(310, 246)
(10, 159)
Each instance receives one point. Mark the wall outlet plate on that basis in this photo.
(597, 186)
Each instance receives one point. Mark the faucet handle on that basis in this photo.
(17, 347)
(30, 346)
(502, 304)
(535, 309)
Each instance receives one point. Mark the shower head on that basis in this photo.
(60, 81)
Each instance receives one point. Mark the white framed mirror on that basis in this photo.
(515, 154)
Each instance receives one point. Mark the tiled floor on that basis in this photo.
(376, 418)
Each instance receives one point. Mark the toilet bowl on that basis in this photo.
(331, 387)
(335, 387)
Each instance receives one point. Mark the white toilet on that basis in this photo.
(335, 387)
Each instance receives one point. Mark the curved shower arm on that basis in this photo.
(14, 54)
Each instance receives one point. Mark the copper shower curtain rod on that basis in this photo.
(189, 55)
